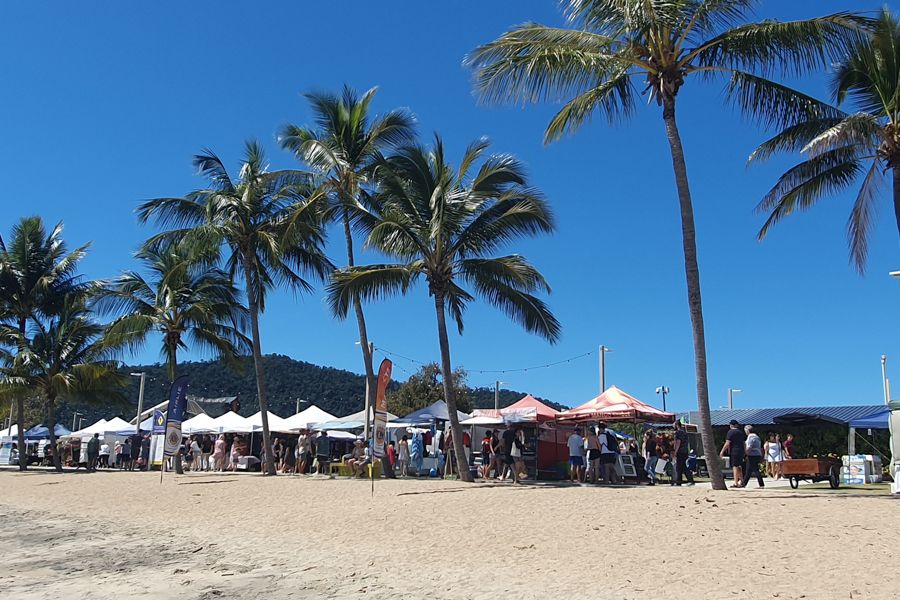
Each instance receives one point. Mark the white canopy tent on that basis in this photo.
(98, 427)
(361, 416)
(276, 423)
(231, 422)
(10, 432)
(117, 424)
(202, 423)
(305, 419)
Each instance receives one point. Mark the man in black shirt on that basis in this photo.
(509, 438)
(734, 446)
(681, 454)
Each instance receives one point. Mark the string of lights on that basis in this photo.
(390, 353)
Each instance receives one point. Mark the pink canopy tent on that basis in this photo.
(616, 405)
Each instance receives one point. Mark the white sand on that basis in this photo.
(112, 535)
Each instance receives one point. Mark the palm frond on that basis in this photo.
(368, 283)
(862, 217)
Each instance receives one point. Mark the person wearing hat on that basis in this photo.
(734, 447)
(576, 455)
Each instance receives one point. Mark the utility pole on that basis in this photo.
(884, 380)
(137, 426)
(368, 407)
(663, 390)
(603, 351)
(497, 395)
(731, 393)
(74, 419)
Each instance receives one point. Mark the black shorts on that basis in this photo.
(593, 454)
(323, 459)
(608, 458)
(508, 459)
(737, 459)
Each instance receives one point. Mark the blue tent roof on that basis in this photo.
(436, 412)
(879, 420)
(766, 416)
(39, 432)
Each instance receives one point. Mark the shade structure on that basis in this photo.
(436, 412)
(483, 420)
(342, 435)
(541, 410)
(128, 429)
(39, 432)
(12, 431)
(276, 423)
(309, 417)
(117, 423)
(799, 418)
(361, 416)
(98, 427)
(231, 422)
(880, 420)
(616, 405)
(340, 424)
(202, 423)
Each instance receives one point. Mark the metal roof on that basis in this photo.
(765, 416)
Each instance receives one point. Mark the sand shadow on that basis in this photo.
(205, 482)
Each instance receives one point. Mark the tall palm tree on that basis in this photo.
(183, 300)
(842, 147)
(441, 222)
(343, 151)
(37, 272)
(63, 358)
(613, 44)
(268, 222)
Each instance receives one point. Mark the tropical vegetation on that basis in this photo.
(443, 223)
(613, 46)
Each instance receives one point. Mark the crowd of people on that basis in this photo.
(746, 452)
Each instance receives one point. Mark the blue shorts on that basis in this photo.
(576, 461)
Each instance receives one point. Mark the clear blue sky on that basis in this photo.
(105, 103)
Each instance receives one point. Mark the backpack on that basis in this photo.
(611, 443)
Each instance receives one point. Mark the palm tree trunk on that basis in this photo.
(896, 173)
(172, 368)
(20, 417)
(49, 408)
(253, 305)
(692, 272)
(462, 465)
(361, 322)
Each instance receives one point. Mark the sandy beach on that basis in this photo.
(125, 535)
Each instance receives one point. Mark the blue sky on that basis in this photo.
(105, 103)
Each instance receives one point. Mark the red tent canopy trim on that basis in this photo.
(616, 405)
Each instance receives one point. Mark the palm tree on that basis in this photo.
(36, 273)
(268, 222)
(343, 151)
(63, 358)
(842, 147)
(441, 223)
(183, 300)
(613, 44)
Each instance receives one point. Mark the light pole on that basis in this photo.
(603, 351)
(663, 390)
(884, 379)
(74, 418)
(371, 355)
(299, 402)
(137, 426)
(731, 393)
(497, 394)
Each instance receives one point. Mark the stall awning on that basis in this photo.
(616, 405)
(880, 420)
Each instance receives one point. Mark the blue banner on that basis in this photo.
(175, 414)
(159, 423)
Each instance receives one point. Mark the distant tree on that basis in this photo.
(37, 274)
(270, 223)
(425, 387)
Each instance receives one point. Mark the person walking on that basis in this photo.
(774, 454)
(509, 437)
(609, 453)
(496, 453)
(681, 455)
(576, 455)
(403, 456)
(486, 454)
(323, 454)
(104, 455)
(126, 454)
(651, 456)
(754, 452)
(303, 454)
(218, 455)
(734, 447)
(518, 456)
(389, 462)
(118, 453)
(788, 447)
(93, 453)
(206, 450)
(592, 473)
(196, 455)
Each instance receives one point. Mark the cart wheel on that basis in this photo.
(795, 482)
(834, 479)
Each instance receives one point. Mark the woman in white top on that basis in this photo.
(774, 457)
(197, 463)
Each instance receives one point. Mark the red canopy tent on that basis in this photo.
(615, 405)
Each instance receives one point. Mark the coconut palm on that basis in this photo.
(63, 358)
(183, 300)
(342, 150)
(844, 147)
(37, 272)
(269, 223)
(612, 45)
(441, 223)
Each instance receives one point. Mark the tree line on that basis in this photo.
(222, 248)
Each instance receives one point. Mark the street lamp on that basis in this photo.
(731, 393)
(74, 419)
(603, 351)
(299, 402)
(137, 426)
(497, 394)
(663, 390)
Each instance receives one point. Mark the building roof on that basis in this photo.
(766, 416)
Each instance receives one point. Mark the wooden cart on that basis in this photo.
(812, 469)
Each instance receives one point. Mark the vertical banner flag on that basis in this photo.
(159, 423)
(175, 414)
(380, 430)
